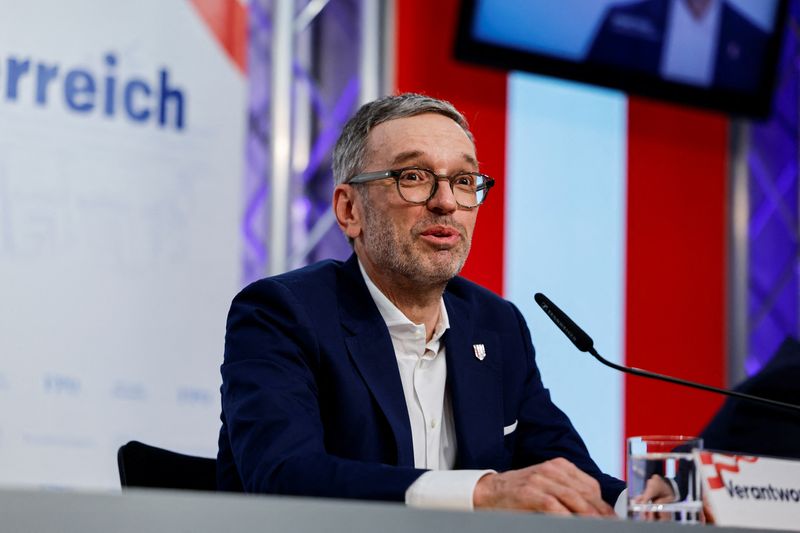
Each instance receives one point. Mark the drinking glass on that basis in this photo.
(663, 484)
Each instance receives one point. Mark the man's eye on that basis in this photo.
(465, 179)
(413, 176)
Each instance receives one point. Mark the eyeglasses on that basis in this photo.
(418, 185)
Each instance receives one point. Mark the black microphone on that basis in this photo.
(584, 343)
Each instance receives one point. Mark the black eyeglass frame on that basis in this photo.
(367, 177)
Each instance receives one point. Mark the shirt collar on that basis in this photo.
(394, 317)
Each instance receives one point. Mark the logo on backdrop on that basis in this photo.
(155, 100)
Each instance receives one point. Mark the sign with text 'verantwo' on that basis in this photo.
(749, 491)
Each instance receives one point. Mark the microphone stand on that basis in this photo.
(652, 375)
(584, 343)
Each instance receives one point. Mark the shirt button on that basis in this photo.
(433, 423)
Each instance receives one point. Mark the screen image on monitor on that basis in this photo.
(718, 54)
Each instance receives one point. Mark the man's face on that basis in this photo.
(425, 244)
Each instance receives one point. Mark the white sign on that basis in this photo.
(121, 155)
(748, 491)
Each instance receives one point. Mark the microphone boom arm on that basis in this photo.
(653, 375)
(584, 343)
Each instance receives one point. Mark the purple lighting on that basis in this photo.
(773, 299)
(334, 123)
(254, 226)
(330, 78)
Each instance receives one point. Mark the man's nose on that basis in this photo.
(443, 200)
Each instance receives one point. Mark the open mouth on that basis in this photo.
(441, 235)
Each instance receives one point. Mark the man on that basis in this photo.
(387, 376)
(698, 42)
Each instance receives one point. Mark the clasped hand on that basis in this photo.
(556, 486)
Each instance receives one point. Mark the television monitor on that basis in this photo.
(718, 54)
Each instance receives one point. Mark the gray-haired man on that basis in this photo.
(388, 376)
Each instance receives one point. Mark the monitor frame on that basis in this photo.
(756, 105)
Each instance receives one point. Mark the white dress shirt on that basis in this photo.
(423, 373)
(690, 48)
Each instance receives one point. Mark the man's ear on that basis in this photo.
(347, 208)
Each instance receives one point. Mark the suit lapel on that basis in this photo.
(476, 388)
(372, 353)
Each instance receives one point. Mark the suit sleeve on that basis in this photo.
(545, 432)
(270, 406)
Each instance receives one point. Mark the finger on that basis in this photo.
(548, 503)
(519, 490)
(571, 499)
(562, 472)
(566, 496)
(589, 488)
(566, 474)
(658, 490)
(600, 504)
(570, 475)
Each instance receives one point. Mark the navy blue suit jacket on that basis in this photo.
(632, 36)
(312, 402)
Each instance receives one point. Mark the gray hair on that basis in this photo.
(348, 155)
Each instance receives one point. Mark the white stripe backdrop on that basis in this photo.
(565, 237)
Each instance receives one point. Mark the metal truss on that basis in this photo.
(770, 282)
(312, 62)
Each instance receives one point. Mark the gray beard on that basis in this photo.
(390, 252)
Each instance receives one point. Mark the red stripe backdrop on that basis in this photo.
(676, 252)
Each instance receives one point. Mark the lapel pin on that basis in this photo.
(480, 351)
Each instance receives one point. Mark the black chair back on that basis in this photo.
(146, 466)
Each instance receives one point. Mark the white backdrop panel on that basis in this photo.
(119, 239)
(565, 237)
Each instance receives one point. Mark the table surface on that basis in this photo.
(140, 511)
